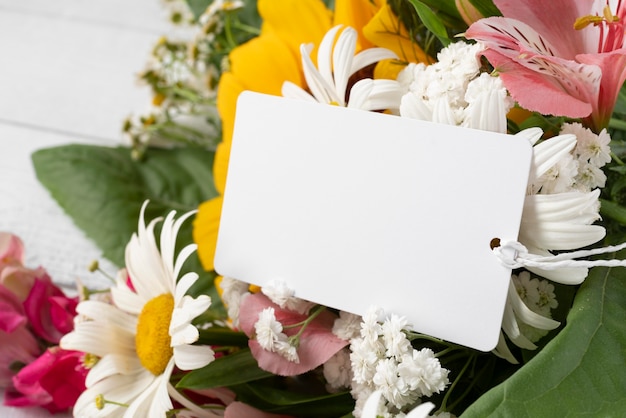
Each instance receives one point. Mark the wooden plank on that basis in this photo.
(70, 75)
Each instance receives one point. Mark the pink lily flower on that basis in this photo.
(564, 58)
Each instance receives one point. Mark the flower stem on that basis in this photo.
(470, 359)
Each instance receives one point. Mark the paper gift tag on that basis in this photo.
(353, 209)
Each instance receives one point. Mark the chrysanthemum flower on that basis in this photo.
(145, 333)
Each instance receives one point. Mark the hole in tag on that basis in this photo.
(494, 243)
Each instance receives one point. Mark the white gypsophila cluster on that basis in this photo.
(233, 292)
(282, 295)
(347, 326)
(270, 336)
(538, 295)
(581, 169)
(453, 91)
(337, 370)
(383, 359)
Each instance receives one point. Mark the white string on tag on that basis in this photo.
(515, 255)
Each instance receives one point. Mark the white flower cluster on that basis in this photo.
(282, 295)
(270, 336)
(539, 296)
(453, 91)
(383, 359)
(233, 292)
(579, 170)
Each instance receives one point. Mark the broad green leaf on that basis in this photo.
(582, 371)
(102, 189)
(294, 396)
(431, 21)
(232, 369)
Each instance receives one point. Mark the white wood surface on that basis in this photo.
(68, 74)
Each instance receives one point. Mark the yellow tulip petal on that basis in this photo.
(356, 13)
(386, 31)
(227, 92)
(220, 166)
(205, 228)
(296, 21)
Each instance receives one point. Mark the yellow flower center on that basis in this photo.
(152, 341)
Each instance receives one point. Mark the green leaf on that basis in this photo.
(431, 21)
(102, 189)
(232, 369)
(486, 7)
(222, 337)
(582, 371)
(296, 398)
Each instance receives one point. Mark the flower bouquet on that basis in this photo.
(172, 337)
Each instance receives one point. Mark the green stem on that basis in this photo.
(616, 159)
(456, 381)
(295, 339)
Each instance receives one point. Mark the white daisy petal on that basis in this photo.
(559, 235)
(184, 335)
(192, 357)
(324, 55)
(370, 56)
(112, 364)
(342, 62)
(291, 91)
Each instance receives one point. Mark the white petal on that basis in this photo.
(192, 357)
(559, 235)
(154, 400)
(291, 91)
(320, 88)
(527, 316)
(370, 56)
(546, 154)
(502, 350)
(112, 364)
(574, 207)
(342, 61)
(531, 134)
(187, 334)
(569, 276)
(421, 411)
(414, 107)
(324, 55)
(183, 286)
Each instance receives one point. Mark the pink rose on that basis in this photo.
(17, 343)
(53, 381)
(11, 250)
(49, 311)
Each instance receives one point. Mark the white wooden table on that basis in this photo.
(68, 74)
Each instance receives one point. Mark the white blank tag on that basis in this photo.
(353, 209)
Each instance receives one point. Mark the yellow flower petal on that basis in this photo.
(296, 21)
(205, 229)
(220, 166)
(388, 69)
(357, 13)
(386, 31)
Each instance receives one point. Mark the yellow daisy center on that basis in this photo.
(152, 340)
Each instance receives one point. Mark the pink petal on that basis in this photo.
(37, 307)
(11, 250)
(613, 67)
(317, 342)
(543, 93)
(554, 20)
(12, 314)
(240, 409)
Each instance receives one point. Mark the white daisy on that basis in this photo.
(336, 63)
(145, 333)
